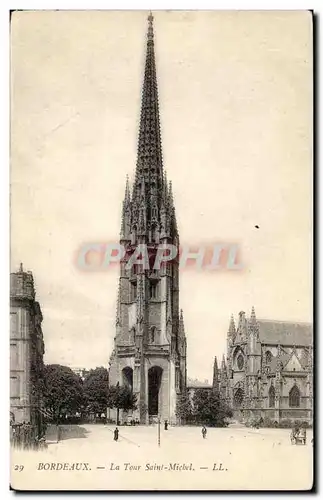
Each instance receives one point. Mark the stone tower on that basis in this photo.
(149, 353)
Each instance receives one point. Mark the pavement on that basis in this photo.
(228, 459)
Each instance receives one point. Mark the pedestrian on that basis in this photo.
(116, 434)
(204, 431)
(166, 425)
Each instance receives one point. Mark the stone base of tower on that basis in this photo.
(153, 381)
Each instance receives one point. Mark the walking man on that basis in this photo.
(204, 431)
(166, 425)
(116, 434)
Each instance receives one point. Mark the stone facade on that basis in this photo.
(26, 351)
(149, 353)
(268, 371)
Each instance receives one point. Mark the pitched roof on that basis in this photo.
(285, 333)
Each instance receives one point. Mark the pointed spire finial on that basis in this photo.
(232, 327)
(127, 193)
(223, 361)
(150, 27)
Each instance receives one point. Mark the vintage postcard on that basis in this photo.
(161, 332)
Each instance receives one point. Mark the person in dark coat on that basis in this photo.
(116, 434)
(204, 431)
(166, 425)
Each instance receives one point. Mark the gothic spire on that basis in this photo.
(149, 159)
(125, 215)
(232, 327)
(215, 375)
(242, 325)
(181, 324)
(223, 368)
(223, 365)
(253, 318)
(253, 324)
(127, 192)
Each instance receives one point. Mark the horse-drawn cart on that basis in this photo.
(298, 436)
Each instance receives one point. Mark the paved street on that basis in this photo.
(250, 458)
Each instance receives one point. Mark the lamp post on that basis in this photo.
(158, 430)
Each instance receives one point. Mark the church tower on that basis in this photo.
(149, 353)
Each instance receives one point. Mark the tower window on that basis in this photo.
(133, 292)
(271, 395)
(152, 334)
(153, 291)
(240, 362)
(294, 397)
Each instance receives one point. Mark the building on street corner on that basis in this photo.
(26, 352)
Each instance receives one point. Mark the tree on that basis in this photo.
(210, 409)
(184, 409)
(96, 390)
(63, 391)
(121, 398)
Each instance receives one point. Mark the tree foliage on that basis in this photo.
(63, 391)
(210, 409)
(121, 398)
(184, 408)
(96, 390)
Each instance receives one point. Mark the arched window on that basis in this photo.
(153, 290)
(269, 357)
(238, 397)
(152, 334)
(294, 397)
(127, 378)
(240, 362)
(132, 334)
(271, 395)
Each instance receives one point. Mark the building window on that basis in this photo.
(271, 397)
(153, 291)
(152, 334)
(13, 324)
(238, 397)
(133, 292)
(14, 361)
(294, 397)
(240, 362)
(14, 387)
(269, 357)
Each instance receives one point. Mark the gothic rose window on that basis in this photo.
(294, 397)
(271, 396)
(240, 362)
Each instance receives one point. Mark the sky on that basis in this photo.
(235, 98)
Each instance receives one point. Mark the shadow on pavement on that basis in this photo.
(65, 432)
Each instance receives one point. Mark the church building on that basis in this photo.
(268, 370)
(149, 353)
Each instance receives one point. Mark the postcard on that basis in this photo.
(161, 302)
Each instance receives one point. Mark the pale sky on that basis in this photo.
(235, 94)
